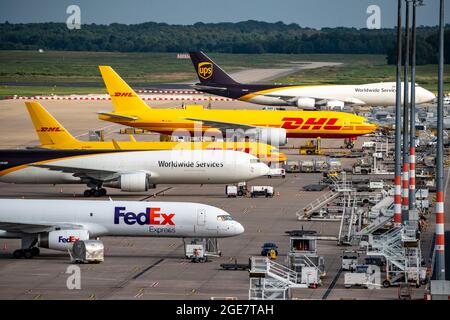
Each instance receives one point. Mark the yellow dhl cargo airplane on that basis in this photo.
(53, 135)
(268, 126)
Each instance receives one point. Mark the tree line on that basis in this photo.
(242, 37)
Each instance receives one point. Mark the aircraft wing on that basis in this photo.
(319, 99)
(91, 174)
(34, 228)
(118, 116)
(223, 126)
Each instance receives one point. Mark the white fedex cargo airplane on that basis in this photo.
(215, 80)
(132, 171)
(57, 224)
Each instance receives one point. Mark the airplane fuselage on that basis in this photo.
(298, 124)
(373, 94)
(168, 167)
(116, 218)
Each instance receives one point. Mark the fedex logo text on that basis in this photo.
(151, 216)
(310, 123)
(70, 239)
(50, 129)
(123, 94)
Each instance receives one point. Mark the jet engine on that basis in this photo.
(335, 105)
(306, 103)
(131, 182)
(61, 239)
(273, 136)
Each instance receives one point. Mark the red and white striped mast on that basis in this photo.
(398, 123)
(439, 267)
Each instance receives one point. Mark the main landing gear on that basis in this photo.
(29, 249)
(98, 192)
(27, 253)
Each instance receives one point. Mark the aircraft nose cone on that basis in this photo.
(263, 169)
(371, 127)
(429, 96)
(238, 228)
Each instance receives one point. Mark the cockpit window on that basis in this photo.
(255, 161)
(224, 217)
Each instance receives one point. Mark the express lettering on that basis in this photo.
(151, 216)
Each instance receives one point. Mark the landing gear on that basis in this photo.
(18, 254)
(99, 192)
(350, 143)
(26, 253)
(95, 193)
(35, 251)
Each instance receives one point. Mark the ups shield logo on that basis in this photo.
(205, 70)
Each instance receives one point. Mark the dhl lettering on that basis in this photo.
(50, 129)
(316, 124)
(310, 123)
(291, 123)
(123, 94)
(330, 125)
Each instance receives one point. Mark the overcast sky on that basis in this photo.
(306, 13)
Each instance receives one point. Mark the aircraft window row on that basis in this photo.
(255, 161)
(224, 217)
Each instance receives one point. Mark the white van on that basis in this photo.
(277, 172)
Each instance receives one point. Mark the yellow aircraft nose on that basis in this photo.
(371, 127)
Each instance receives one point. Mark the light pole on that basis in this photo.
(398, 123)
(405, 179)
(439, 206)
(412, 128)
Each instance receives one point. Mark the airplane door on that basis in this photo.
(201, 217)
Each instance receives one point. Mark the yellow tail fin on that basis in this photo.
(48, 129)
(124, 99)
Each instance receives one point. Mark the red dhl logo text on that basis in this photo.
(310, 123)
(50, 129)
(123, 94)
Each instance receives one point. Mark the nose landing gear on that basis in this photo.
(350, 142)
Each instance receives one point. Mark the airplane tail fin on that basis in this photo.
(207, 71)
(125, 100)
(48, 129)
